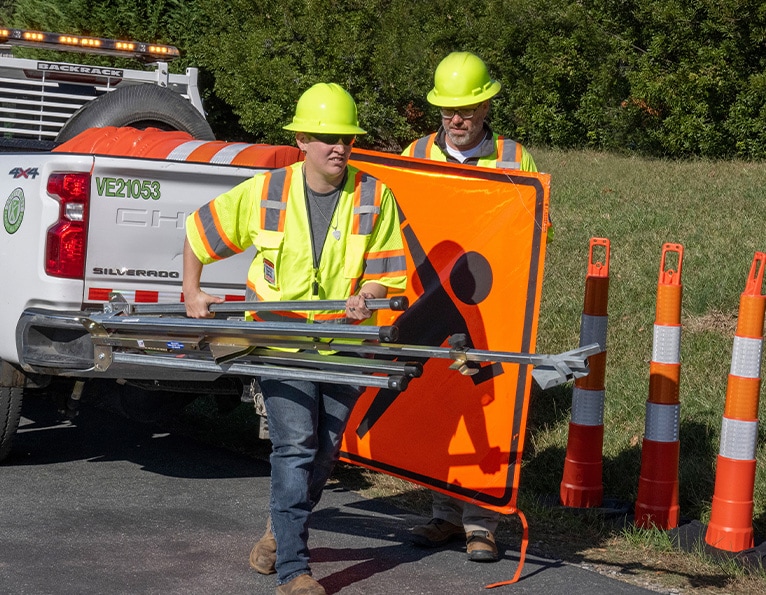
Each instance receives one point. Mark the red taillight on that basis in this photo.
(65, 246)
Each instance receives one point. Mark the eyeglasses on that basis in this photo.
(466, 113)
(335, 139)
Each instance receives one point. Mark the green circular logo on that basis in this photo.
(13, 213)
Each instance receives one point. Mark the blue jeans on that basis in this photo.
(306, 424)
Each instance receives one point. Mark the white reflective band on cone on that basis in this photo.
(181, 152)
(587, 407)
(738, 439)
(226, 155)
(662, 422)
(666, 348)
(746, 357)
(593, 330)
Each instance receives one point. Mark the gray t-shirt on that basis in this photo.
(322, 217)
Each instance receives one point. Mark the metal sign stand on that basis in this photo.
(155, 335)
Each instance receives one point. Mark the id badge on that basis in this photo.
(269, 272)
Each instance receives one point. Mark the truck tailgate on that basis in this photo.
(137, 228)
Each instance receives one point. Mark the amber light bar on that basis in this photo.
(147, 52)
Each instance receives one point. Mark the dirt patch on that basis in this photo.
(724, 323)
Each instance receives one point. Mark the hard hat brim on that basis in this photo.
(319, 128)
(434, 98)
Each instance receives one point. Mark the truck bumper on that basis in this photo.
(56, 343)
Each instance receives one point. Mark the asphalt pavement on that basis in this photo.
(106, 505)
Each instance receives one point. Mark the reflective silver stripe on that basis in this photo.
(666, 348)
(389, 264)
(587, 407)
(363, 210)
(420, 147)
(274, 205)
(738, 439)
(214, 239)
(228, 153)
(508, 158)
(182, 152)
(367, 211)
(746, 357)
(593, 330)
(662, 422)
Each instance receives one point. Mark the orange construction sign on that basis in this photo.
(475, 242)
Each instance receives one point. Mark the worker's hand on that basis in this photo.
(355, 307)
(197, 304)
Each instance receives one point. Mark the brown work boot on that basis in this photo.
(303, 584)
(263, 556)
(481, 547)
(435, 533)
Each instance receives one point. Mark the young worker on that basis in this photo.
(463, 90)
(322, 230)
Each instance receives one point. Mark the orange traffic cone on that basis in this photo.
(731, 516)
(582, 486)
(657, 502)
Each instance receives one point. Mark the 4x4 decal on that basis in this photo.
(20, 172)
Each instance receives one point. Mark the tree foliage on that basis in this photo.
(675, 78)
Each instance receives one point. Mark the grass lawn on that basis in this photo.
(717, 211)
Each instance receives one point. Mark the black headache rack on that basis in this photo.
(156, 341)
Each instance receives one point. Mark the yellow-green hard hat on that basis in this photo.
(326, 108)
(462, 79)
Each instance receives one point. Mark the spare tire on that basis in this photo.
(138, 106)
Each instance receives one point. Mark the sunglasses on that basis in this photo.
(335, 139)
(465, 113)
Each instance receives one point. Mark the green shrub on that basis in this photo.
(666, 78)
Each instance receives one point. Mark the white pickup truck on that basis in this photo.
(78, 227)
(61, 249)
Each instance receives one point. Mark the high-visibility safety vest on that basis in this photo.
(495, 151)
(269, 211)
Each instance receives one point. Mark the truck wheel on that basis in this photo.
(138, 106)
(11, 393)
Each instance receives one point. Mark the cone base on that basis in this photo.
(664, 518)
(730, 540)
(579, 497)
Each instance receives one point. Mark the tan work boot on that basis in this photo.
(263, 556)
(435, 533)
(303, 584)
(481, 547)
